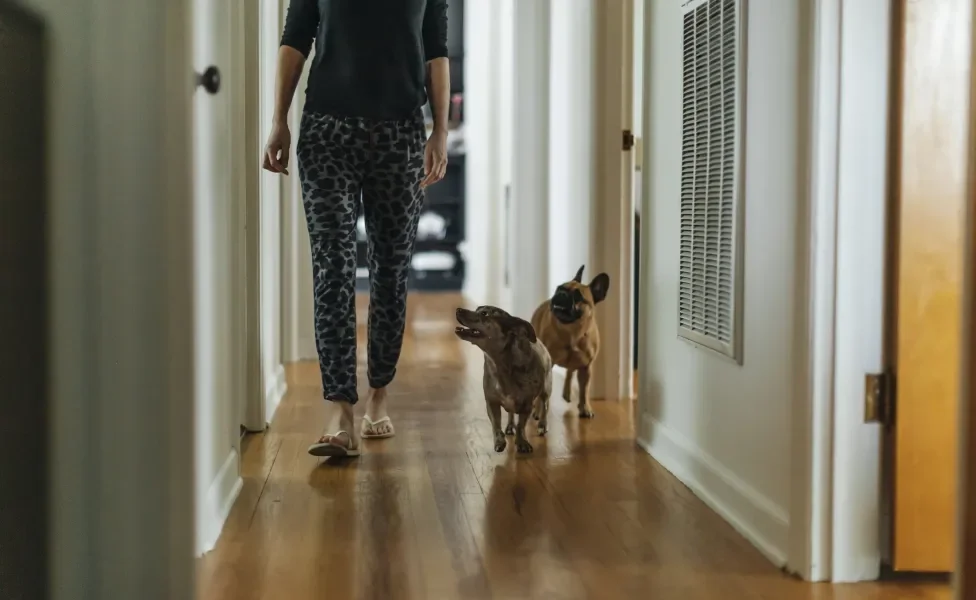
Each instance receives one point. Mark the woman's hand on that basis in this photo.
(276, 152)
(435, 158)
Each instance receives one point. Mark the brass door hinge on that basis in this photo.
(628, 140)
(879, 398)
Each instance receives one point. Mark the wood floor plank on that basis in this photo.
(435, 514)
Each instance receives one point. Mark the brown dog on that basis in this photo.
(566, 324)
(518, 371)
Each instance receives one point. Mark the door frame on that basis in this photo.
(836, 483)
(240, 182)
(613, 203)
(253, 416)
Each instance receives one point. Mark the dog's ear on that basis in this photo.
(516, 327)
(599, 287)
(579, 275)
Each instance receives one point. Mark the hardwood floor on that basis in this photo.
(435, 513)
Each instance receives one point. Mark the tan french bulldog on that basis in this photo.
(566, 325)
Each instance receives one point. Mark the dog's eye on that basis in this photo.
(483, 313)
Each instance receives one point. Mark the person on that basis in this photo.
(362, 137)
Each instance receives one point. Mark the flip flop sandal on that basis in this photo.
(369, 424)
(331, 448)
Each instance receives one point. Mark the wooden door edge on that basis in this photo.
(965, 579)
(892, 236)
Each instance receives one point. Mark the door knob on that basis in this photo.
(209, 79)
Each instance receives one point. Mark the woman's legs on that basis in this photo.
(392, 203)
(331, 153)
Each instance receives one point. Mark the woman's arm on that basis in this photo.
(290, 65)
(439, 88)
(301, 25)
(435, 51)
(439, 91)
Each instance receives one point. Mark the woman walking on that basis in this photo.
(362, 136)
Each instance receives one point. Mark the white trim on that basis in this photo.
(220, 498)
(273, 192)
(859, 309)
(237, 119)
(757, 519)
(254, 404)
(275, 392)
(811, 485)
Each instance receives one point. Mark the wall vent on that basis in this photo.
(709, 288)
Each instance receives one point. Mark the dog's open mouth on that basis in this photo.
(467, 332)
(565, 315)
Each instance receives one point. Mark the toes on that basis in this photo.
(338, 440)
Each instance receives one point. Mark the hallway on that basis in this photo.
(435, 513)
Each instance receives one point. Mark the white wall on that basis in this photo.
(528, 218)
(506, 146)
(571, 139)
(484, 188)
(121, 293)
(724, 429)
(298, 334)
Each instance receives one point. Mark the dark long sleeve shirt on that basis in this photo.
(370, 55)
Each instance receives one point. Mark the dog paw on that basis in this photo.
(568, 397)
(543, 428)
(523, 447)
(510, 430)
(586, 412)
(500, 444)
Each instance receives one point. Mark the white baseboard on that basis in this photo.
(216, 506)
(755, 517)
(275, 392)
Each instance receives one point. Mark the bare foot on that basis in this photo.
(376, 423)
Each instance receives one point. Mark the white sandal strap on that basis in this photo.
(373, 423)
(336, 435)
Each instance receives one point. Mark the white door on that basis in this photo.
(219, 291)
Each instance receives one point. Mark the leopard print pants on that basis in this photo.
(340, 161)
